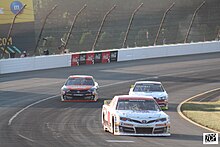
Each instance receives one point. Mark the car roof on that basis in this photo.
(147, 82)
(130, 97)
(80, 76)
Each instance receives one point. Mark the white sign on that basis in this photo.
(210, 138)
(1, 10)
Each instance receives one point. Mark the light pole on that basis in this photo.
(42, 28)
(162, 21)
(190, 26)
(72, 26)
(129, 25)
(100, 28)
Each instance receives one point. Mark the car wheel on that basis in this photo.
(103, 124)
(62, 98)
(113, 126)
(166, 107)
(95, 98)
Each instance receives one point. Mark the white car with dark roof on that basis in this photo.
(134, 115)
(151, 88)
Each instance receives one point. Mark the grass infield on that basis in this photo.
(204, 113)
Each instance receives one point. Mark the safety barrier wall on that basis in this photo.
(105, 56)
(34, 63)
(168, 50)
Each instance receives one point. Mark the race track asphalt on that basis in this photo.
(32, 114)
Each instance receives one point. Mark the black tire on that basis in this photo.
(103, 117)
(113, 125)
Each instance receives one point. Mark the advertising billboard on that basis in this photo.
(8, 8)
(90, 58)
(82, 59)
(106, 57)
(75, 60)
(22, 36)
(94, 58)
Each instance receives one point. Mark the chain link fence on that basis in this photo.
(142, 32)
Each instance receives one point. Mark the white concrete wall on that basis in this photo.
(56, 61)
(34, 63)
(168, 50)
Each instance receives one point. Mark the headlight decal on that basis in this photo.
(161, 120)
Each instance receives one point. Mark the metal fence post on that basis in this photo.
(71, 28)
(100, 28)
(162, 21)
(190, 26)
(41, 31)
(129, 25)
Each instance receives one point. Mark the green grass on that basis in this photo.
(204, 113)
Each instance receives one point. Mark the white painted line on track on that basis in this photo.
(185, 72)
(26, 138)
(16, 114)
(120, 141)
(189, 120)
(122, 82)
(211, 95)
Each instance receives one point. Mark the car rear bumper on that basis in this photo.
(163, 103)
(79, 100)
(69, 98)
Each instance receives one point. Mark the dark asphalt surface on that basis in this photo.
(52, 123)
(211, 96)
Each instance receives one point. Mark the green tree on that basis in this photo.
(85, 36)
(85, 41)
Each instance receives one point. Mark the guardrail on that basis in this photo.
(13, 65)
(105, 56)
(168, 50)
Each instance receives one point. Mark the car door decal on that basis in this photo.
(109, 118)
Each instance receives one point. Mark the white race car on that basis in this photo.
(134, 115)
(151, 88)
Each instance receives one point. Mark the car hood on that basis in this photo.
(141, 114)
(153, 94)
(78, 87)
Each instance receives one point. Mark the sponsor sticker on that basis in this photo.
(210, 138)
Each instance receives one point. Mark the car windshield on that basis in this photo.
(147, 87)
(137, 105)
(80, 81)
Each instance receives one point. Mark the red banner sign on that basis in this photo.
(90, 58)
(75, 60)
(105, 57)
